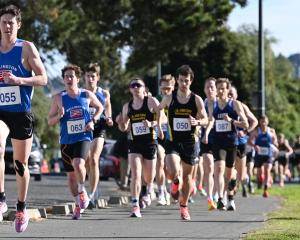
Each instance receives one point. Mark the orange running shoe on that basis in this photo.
(211, 205)
(266, 194)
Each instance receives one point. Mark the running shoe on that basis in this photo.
(231, 206)
(175, 191)
(3, 209)
(191, 200)
(76, 214)
(266, 194)
(147, 200)
(83, 200)
(244, 191)
(221, 205)
(161, 199)
(184, 213)
(21, 221)
(203, 192)
(250, 188)
(136, 212)
(92, 204)
(142, 204)
(211, 205)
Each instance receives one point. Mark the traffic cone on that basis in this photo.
(44, 167)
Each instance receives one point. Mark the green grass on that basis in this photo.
(283, 224)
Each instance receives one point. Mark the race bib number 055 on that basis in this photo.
(181, 124)
(223, 126)
(77, 126)
(138, 128)
(10, 95)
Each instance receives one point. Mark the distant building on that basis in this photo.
(295, 60)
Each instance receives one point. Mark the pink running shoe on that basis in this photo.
(184, 213)
(21, 221)
(136, 212)
(83, 200)
(76, 214)
(3, 209)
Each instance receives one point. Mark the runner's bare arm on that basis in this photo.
(94, 102)
(33, 62)
(201, 113)
(243, 121)
(251, 118)
(56, 110)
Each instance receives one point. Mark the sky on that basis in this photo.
(280, 17)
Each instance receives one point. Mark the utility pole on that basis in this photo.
(158, 76)
(261, 62)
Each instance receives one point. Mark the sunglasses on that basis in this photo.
(136, 85)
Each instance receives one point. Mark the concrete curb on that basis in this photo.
(33, 213)
(120, 200)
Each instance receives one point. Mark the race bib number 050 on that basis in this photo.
(10, 95)
(77, 126)
(223, 126)
(138, 128)
(181, 124)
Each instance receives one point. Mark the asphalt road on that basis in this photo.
(158, 222)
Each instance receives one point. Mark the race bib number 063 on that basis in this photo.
(10, 95)
(181, 124)
(77, 126)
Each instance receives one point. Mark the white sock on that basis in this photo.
(161, 189)
(76, 198)
(150, 188)
(92, 195)
(81, 187)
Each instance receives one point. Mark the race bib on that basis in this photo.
(77, 126)
(164, 127)
(92, 111)
(10, 95)
(297, 151)
(223, 126)
(281, 153)
(248, 149)
(264, 151)
(181, 124)
(138, 128)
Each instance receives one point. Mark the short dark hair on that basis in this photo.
(224, 80)
(73, 67)
(93, 67)
(185, 70)
(13, 10)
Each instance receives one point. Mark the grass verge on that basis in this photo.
(283, 224)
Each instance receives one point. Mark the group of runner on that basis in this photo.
(165, 136)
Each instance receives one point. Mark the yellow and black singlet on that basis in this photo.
(138, 131)
(178, 119)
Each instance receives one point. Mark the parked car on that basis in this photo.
(34, 161)
(109, 165)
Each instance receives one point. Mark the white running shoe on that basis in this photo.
(161, 200)
(231, 206)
